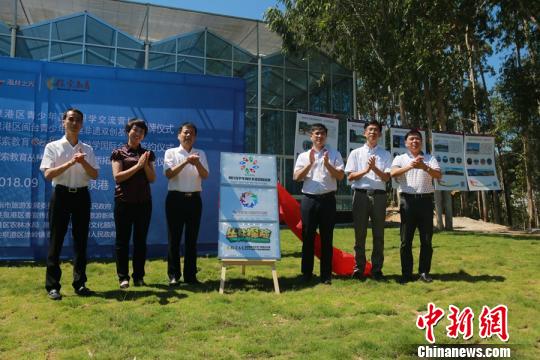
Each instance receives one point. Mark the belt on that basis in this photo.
(417, 196)
(370, 191)
(72, 190)
(187, 194)
(321, 196)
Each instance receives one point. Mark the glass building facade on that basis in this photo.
(277, 85)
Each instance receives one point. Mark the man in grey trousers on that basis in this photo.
(368, 170)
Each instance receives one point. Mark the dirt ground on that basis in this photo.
(467, 224)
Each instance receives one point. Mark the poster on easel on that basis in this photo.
(302, 138)
(356, 138)
(480, 163)
(448, 150)
(248, 211)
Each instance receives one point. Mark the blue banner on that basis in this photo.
(33, 96)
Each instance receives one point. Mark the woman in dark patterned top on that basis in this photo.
(133, 171)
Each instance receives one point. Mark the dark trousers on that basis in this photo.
(365, 206)
(65, 206)
(318, 210)
(416, 212)
(183, 209)
(128, 218)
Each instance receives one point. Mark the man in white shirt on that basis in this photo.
(185, 167)
(414, 171)
(319, 168)
(368, 170)
(69, 164)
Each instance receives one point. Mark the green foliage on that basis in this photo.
(347, 320)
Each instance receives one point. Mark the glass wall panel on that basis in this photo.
(293, 187)
(319, 62)
(4, 29)
(41, 31)
(5, 45)
(33, 49)
(98, 55)
(217, 48)
(192, 44)
(161, 62)
(190, 65)
(71, 29)
(272, 132)
(218, 67)
(130, 59)
(127, 42)
(338, 69)
(296, 61)
(319, 92)
(248, 72)
(250, 144)
(342, 95)
(289, 132)
(272, 87)
(62, 52)
(243, 56)
(296, 89)
(98, 33)
(167, 47)
(275, 59)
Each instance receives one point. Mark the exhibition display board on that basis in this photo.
(448, 150)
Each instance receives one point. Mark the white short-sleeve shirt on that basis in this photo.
(415, 181)
(319, 180)
(60, 152)
(358, 159)
(187, 180)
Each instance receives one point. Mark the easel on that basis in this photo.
(243, 263)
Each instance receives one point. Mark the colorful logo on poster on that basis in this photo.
(249, 199)
(249, 165)
(68, 84)
(252, 234)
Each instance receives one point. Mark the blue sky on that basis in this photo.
(251, 9)
(254, 9)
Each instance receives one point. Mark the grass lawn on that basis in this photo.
(347, 320)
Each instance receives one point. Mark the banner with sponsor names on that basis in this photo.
(248, 211)
(480, 163)
(302, 138)
(33, 96)
(356, 138)
(448, 150)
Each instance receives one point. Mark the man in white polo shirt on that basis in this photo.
(69, 164)
(368, 170)
(185, 167)
(319, 168)
(414, 171)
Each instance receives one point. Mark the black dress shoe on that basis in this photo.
(378, 276)
(193, 281)
(358, 275)
(425, 278)
(139, 282)
(405, 279)
(327, 281)
(83, 291)
(306, 278)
